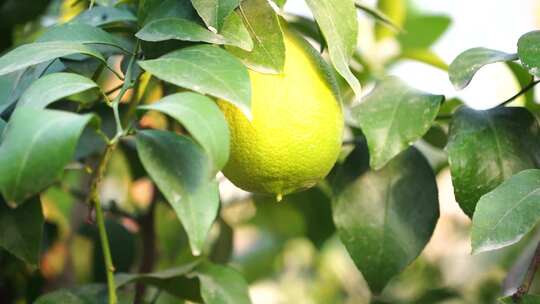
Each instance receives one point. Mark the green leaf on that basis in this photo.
(60, 296)
(315, 208)
(305, 26)
(20, 81)
(6, 85)
(203, 119)
(82, 33)
(425, 56)
(218, 284)
(37, 145)
(104, 15)
(268, 54)
(53, 87)
(174, 281)
(529, 50)
(35, 53)
(181, 29)
(384, 19)
(213, 12)
(205, 69)
(487, 147)
(393, 117)
(392, 13)
(463, 68)
(436, 136)
(85, 294)
(339, 25)
(235, 32)
(21, 230)
(422, 31)
(385, 218)
(222, 285)
(524, 78)
(157, 9)
(181, 170)
(280, 3)
(504, 215)
(526, 299)
(2, 126)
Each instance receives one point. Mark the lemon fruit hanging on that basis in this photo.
(295, 134)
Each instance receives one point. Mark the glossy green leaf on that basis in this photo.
(504, 215)
(425, 56)
(305, 26)
(35, 53)
(235, 32)
(203, 120)
(37, 145)
(173, 280)
(81, 33)
(85, 294)
(529, 50)
(205, 69)
(181, 29)
(315, 207)
(208, 282)
(487, 147)
(338, 22)
(385, 218)
(390, 12)
(393, 117)
(422, 31)
(158, 9)
(213, 12)
(20, 81)
(6, 86)
(526, 299)
(222, 285)
(182, 172)
(21, 230)
(466, 64)
(105, 15)
(268, 53)
(53, 87)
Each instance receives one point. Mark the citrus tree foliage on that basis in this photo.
(111, 112)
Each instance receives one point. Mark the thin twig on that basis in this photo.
(529, 276)
(128, 84)
(118, 87)
(523, 91)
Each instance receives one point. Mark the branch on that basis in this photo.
(97, 177)
(529, 276)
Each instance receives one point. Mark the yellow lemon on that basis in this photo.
(295, 134)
